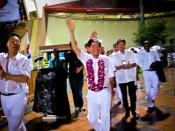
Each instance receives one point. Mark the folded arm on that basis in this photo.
(18, 78)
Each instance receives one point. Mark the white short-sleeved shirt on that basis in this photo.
(112, 56)
(109, 68)
(18, 65)
(124, 75)
(145, 58)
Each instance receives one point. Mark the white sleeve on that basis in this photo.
(1, 57)
(157, 55)
(139, 60)
(26, 68)
(114, 60)
(112, 69)
(132, 57)
(83, 57)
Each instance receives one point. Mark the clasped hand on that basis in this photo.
(2, 74)
(126, 66)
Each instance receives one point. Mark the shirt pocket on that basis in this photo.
(14, 69)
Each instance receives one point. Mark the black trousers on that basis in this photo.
(132, 95)
(76, 84)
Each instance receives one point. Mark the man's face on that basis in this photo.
(121, 46)
(147, 46)
(115, 47)
(95, 48)
(13, 44)
(102, 50)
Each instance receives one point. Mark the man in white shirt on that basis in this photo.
(118, 93)
(151, 81)
(100, 72)
(125, 76)
(14, 74)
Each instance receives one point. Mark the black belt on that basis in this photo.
(8, 94)
(96, 90)
(149, 70)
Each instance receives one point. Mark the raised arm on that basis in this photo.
(71, 29)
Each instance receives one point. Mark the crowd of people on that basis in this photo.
(112, 75)
(171, 60)
(118, 71)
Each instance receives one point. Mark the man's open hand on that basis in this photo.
(70, 25)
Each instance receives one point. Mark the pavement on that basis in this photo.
(161, 120)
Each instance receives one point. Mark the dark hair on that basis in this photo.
(56, 50)
(114, 45)
(13, 34)
(146, 42)
(70, 44)
(121, 40)
(88, 44)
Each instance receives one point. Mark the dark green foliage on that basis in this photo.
(153, 30)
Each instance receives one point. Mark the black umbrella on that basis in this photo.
(39, 58)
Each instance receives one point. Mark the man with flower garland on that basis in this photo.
(100, 73)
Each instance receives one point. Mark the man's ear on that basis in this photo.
(7, 44)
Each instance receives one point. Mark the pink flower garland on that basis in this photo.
(90, 73)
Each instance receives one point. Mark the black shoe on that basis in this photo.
(119, 103)
(127, 114)
(158, 111)
(150, 109)
(76, 113)
(162, 116)
(82, 109)
(135, 116)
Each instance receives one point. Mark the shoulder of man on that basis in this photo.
(2, 54)
(22, 56)
(141, 52)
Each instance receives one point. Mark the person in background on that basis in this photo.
(173, 57)
(145, 58)
(125, 75)
(102, 51)
(55, 61)
(87, 48)
(100, 72)
(136, 68)
(109, 52)
(14, 75)
(118, 93)
(170, 60)
(76, 79)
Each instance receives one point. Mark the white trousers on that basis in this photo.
(99, 104)
(152, 85)
(118, 93)
(13, 108)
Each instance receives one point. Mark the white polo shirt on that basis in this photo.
(124, 75)
(146, 58)
(18, 65)
(109, 68)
